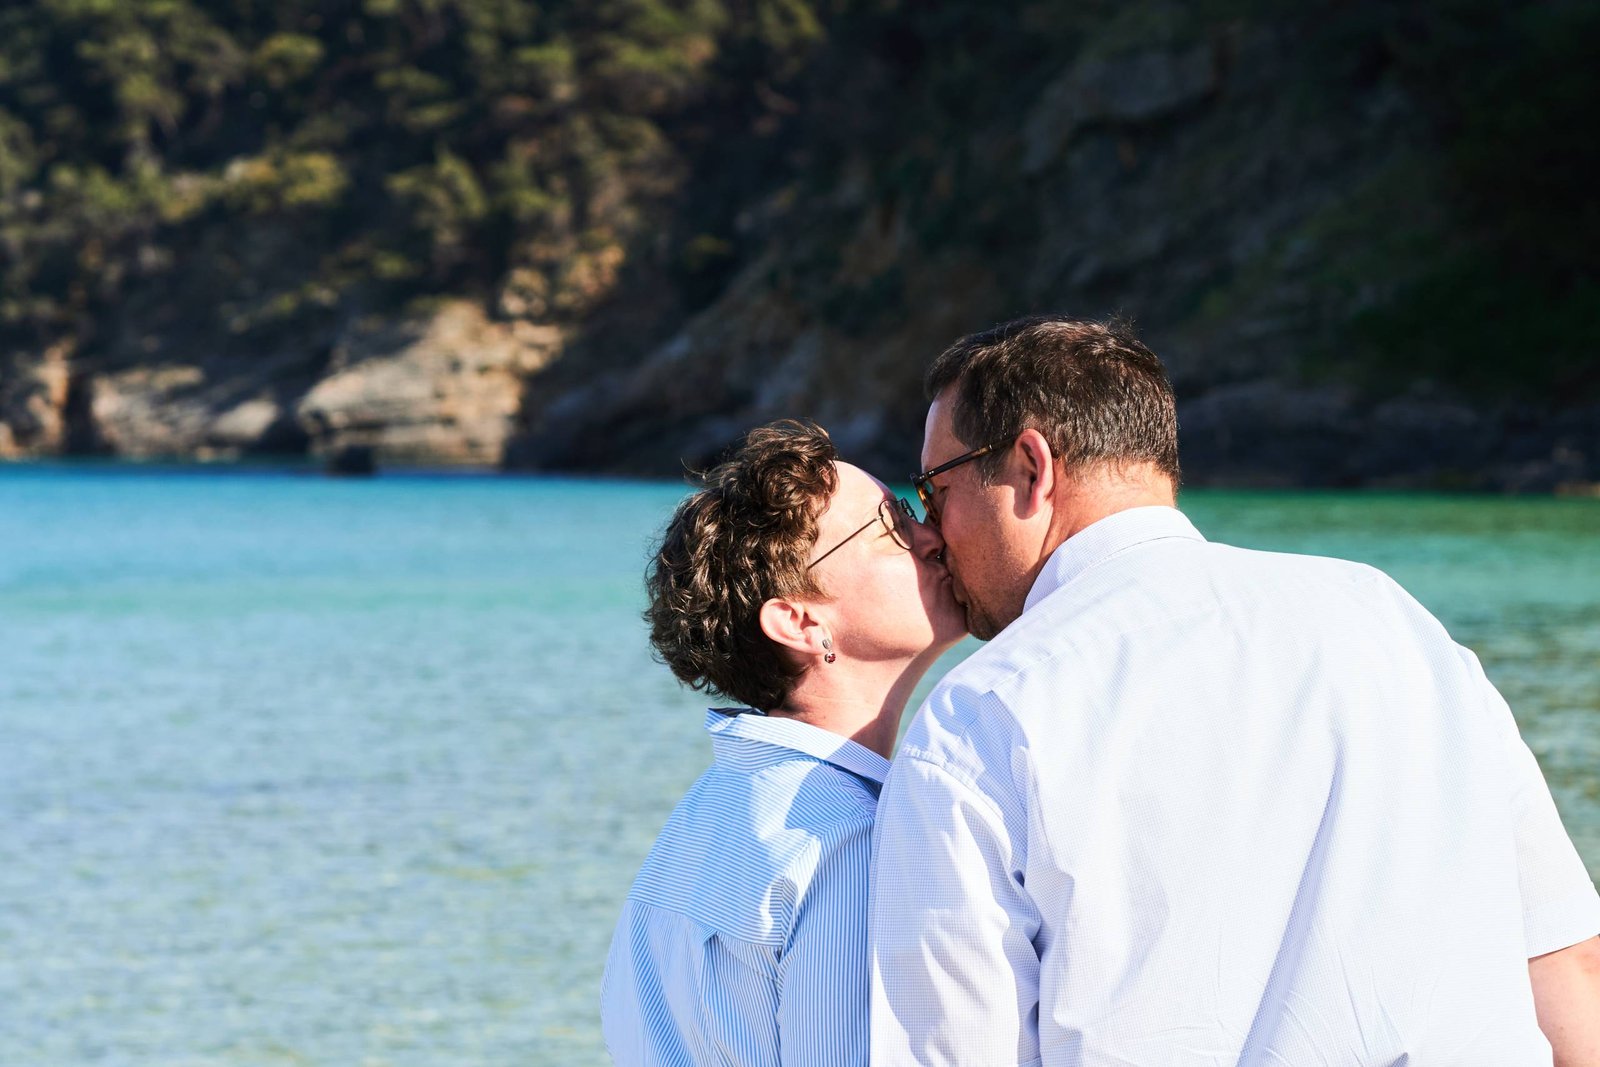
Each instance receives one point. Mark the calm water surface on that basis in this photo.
(298, 771)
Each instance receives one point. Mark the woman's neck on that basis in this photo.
(861, 701)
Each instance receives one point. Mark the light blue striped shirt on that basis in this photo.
(744, 938)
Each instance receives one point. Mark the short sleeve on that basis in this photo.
(1560, 906)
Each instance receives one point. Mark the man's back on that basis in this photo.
(1202, 805)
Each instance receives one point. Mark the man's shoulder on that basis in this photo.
(1063, 631)
(1313, 591)
(1073, 632)
(1219, 560)
(1165, 585)
(970, 726)
(1313, 566)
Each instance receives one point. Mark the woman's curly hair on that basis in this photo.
(739, 541)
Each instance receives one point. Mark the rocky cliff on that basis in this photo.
(1273, 198)
(1213, 181)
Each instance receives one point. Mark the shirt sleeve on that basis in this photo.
(1559, 904)
(822, 998)
(955, 975)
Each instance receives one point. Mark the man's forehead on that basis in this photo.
(939, 441)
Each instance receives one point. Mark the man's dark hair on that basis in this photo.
(743, 539)
(1091, 388)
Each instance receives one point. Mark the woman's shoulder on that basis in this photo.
(739, 852)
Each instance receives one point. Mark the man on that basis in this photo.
(1194, 804)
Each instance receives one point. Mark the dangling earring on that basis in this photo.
(831, 656)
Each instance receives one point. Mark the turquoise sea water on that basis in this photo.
(300, 771)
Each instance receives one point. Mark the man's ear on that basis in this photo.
(1036, 472)
(793, 625)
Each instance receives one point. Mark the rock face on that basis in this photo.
(33, 403)
(206, 409)
(1128, 90)
(759, 353)
(444, 388)
(1266, 433)
(186, 410)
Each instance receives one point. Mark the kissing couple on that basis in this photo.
(1189, 805)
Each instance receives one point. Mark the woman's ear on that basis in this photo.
(1037, 472)
(792, 624)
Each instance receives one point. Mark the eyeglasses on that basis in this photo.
(923, 483)
(896, 518)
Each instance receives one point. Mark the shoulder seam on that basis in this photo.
(966, 781)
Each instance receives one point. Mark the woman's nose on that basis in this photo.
(928, 543)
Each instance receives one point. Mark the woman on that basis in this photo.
(799, 586)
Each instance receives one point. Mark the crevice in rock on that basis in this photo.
(82, 437)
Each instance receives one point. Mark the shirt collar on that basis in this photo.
(1101, 540)
(801, 737)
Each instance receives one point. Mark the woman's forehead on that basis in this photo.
(851, 503)
(856, 486)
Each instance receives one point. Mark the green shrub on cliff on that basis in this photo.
(442, 143)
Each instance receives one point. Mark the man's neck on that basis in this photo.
(1086, 497)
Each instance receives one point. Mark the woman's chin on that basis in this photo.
(947, 626)
(950, 626)
(951, 617)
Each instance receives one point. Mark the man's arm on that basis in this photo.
(1560, 905)
(955, 976)
(1566, 994)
